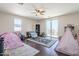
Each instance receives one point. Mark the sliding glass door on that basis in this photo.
(52, 28)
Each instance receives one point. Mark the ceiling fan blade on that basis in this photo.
(20, 4)
(36, 10)
(42, 11)
(42, 14)
(33, 12)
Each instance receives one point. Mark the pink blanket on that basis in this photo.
(11, 41)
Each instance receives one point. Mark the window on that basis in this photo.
(17, 24)
(48, 26)
(52, 28)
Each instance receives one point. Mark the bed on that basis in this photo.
(25, 50)
(68, 45)
(13, 46)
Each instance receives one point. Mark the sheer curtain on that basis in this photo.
(52, 28)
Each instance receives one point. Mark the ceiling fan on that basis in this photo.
(39, 12)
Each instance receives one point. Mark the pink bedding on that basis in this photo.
(68, 45)
(11, 41)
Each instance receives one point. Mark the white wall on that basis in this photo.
(28, 25)
(7, 23)
(68, 19)
(63, 21)
(42, 26)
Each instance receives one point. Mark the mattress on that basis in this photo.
(25, 50)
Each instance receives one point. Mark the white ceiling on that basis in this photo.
(51, 9)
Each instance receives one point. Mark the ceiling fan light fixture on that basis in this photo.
(39, 11)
